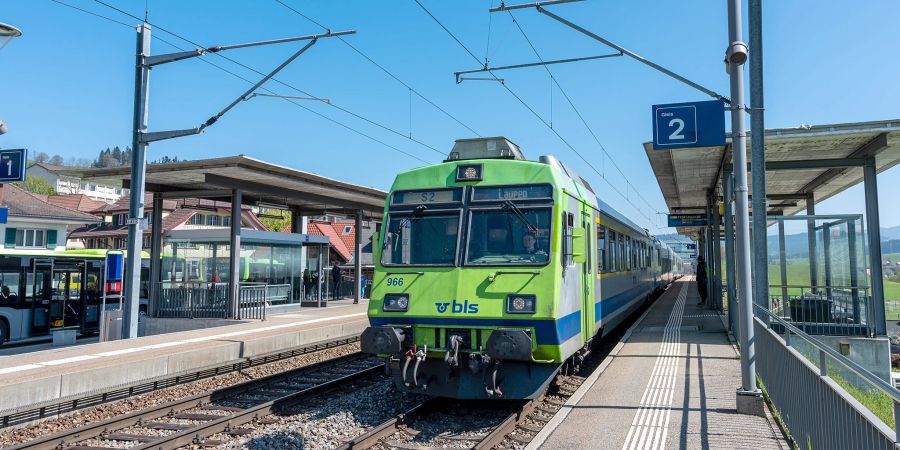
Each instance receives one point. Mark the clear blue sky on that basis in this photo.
(66, 85)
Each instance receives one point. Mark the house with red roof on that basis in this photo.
(183, 214)
(35, 223)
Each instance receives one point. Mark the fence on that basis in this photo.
(203, 300)
(826, 400)
(826, 310)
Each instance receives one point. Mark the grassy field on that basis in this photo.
(798, 274)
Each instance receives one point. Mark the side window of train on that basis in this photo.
(568, 221)
(601, 248)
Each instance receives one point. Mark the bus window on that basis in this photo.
(9, 287)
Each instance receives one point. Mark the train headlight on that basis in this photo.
(396, 302)
(521, 304)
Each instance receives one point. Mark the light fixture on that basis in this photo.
(7, 32)
(395, 302)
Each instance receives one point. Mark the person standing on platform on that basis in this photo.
(701, 280)
(335, 281)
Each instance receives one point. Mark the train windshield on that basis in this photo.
(421, 240)
(510, 236)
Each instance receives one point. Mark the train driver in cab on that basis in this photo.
(530, 245)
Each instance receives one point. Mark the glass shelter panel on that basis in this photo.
(818, 274)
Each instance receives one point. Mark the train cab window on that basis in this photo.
(421, 240)
(601, 249)
(499, 237)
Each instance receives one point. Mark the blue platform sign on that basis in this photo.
(696, 124)
(688, 220)
(4, 215)
(12, 165)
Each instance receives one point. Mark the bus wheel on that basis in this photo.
(4, 332)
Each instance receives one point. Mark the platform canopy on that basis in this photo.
(264, 184)
(807, 163)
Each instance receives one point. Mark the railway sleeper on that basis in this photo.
(530, 428)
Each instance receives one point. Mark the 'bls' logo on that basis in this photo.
(459, 308)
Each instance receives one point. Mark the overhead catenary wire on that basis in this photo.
(382, 68)
(276, 80)
(232, 73)
(575, 109)
(536, 115)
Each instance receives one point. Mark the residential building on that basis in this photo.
(65, 184)
(183, 214)
(35, 223)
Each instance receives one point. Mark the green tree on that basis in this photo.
(37, 185)
(274, 220)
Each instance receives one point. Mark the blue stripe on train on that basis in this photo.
(547, 332)
(607, 306)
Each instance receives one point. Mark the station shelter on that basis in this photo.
(235, 272)
(824, 270)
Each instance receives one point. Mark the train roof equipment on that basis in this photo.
(497, 147)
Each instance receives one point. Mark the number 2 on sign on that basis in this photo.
(677, 133)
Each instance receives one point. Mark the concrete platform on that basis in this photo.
(670, 383)
(42, 376)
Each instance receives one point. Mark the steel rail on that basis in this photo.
(44, 410)
(65, 438)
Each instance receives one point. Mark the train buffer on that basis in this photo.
(669, 384)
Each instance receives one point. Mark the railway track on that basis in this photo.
(37, 412)
(517, 428)
(229, 412)
(482, 425)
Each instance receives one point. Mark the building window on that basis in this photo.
(226, 221)
(30, 238)
(348, 229)
(197, 219)
(120, 219)
(212, 220)
(92, 187)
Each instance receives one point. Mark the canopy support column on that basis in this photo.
(156, 231)
(234, 264)
(729, 253)
(813, 246)
(357, 258)
(874, 223)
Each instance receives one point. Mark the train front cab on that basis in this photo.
(458, 319)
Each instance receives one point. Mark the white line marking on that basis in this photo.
(19, 368)
(72, 359)
(650, 426)
(123, 351)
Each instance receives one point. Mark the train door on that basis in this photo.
(38, 293)
(587, 275)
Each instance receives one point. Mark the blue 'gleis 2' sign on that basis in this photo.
(695, 124)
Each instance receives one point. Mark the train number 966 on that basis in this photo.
(395, 281)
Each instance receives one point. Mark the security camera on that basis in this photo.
(736, 53)
(3, 128)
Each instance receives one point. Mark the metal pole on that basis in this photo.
(874, 224)
(811, 239)
(782, 261)
(716, 255)
(854, 267)
(736, 57)
(758, 156)
(729, 252)
(156, 231)
(234, 264)
(357, 258)
(136, 200)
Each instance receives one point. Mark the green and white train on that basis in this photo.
(495, 272)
